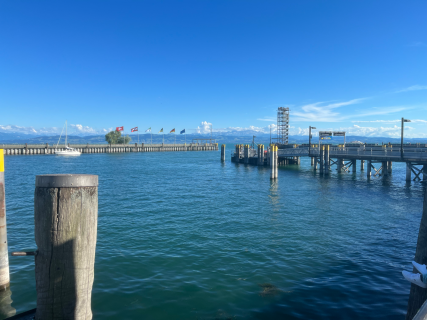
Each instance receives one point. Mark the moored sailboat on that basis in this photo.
(68, 151)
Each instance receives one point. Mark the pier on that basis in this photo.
(376, 160)
(27, 149)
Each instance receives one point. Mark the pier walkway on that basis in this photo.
(26, 149)
(343, 157)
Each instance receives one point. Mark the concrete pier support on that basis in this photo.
(390, 167)
(362, 165)
(312, 161)
(408, 171)
(65, 220)
(223, 152)
(246, 154)
(368, 168)
(4, 256)
(353, 165)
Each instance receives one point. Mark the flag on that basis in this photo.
(183, 131)
(149, 129)
(119, 129)
(173, 130)
(161, 130)
(134, 129)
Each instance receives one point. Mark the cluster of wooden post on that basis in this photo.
(324, 160)
(65, 219)
(273, 162)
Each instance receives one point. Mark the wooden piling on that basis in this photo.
(223, 152)
(418, 295)
(276, 162)
(368, 168)
(362, 165)
(408, 171)
(353, 165)
(246, 154)
(272, 162)
(322, 162)
(4, 256)
(327, 160)
(65, 217)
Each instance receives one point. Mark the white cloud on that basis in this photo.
(204, 127)
(389, 121)
(73, 129)
(412, 88)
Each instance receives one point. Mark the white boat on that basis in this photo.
(67, 151)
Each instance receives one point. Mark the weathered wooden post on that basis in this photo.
(66, 218)
(418, 295)
(321, 156)
(4, 256)
(327, 161)
(276, 160)
(223, 152)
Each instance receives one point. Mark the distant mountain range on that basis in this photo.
(226, 137)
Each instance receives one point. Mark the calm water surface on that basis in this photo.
(183, 236)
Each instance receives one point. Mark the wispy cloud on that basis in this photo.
(418, 44)
(271, 119)
(412, 88)
(323, 111)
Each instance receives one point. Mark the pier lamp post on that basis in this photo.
(309, 138)
(401, 137)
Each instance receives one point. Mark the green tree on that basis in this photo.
(126, 139)
(113, 137)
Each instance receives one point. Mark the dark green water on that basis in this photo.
(183, 236)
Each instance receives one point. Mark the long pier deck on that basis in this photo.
(346, 157)
(26, 149)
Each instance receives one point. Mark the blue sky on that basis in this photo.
(357, 66)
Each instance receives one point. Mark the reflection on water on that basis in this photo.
(6, 309)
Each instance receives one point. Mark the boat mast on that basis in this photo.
(65, 133)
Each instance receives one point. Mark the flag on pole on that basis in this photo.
(134, 129)
(173, 130)
(149, 129)
(183, 131)
(161, 130)
(119, 129)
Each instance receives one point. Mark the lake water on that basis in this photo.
(183, 236)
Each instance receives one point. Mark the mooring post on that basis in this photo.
(65, 218)
(418, 295)
(390, 167)
(321, 156)
(4, 256)
(353, 165)
(408, 171)
(362, 165)
(246, 154)
(223, 152)
(272, 162)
